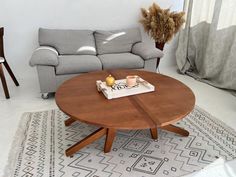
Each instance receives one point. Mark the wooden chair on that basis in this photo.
(3, 61)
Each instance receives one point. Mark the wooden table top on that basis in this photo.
(170, 102)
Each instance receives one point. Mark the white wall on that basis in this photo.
(22, 18)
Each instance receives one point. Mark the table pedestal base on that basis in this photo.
(110, 136)
(177, 130)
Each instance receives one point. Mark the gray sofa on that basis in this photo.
(63, 54)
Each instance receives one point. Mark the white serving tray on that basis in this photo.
(120, 88)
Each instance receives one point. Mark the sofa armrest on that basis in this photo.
(146, 51)
(44, 55)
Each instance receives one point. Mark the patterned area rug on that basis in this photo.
(42, 138)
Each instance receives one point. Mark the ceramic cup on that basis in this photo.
(131, 81)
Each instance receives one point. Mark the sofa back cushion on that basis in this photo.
(117, 41)
(68, 42)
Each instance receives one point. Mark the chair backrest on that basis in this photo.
(1, 42)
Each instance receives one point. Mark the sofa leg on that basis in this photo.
(45, 96)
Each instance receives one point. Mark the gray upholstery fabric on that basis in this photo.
(150, 65)
(63, 54)
(146, 51)
(70, 64)
(47, 78)
(44, 56)
(122, 60)
(118, 41)
(49, 81)
(68, 42)
(62, 78)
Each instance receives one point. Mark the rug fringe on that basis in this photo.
(13, 153)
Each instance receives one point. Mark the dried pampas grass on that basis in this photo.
(161, 24)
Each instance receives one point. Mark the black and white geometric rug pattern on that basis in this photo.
(42, 138)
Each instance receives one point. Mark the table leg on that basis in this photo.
(176, 130)
(69, 121)
(111, 133)
(89, 139)
(154, 133)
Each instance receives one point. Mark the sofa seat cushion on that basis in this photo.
(122, 60)
(73, 64)
(68, 42)
(118, 41)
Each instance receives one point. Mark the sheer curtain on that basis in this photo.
(207, 43)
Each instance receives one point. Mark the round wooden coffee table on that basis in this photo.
(79, 99)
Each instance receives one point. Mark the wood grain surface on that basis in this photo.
(170, 102)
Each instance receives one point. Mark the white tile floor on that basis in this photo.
(27, 98)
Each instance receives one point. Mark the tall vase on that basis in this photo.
(161, 47)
